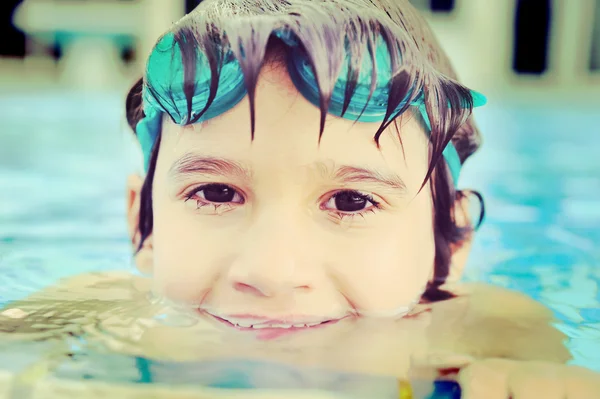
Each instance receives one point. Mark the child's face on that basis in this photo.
(284, 227)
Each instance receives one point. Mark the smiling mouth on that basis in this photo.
(271, 329)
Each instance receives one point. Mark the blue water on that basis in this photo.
(540, 173)
(64, 158)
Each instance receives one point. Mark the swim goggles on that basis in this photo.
(163, 91)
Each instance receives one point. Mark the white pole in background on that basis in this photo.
(571, 41)
(478, 37)
(159, 16)
(490, 36)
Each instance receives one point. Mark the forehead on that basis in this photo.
(287, 133)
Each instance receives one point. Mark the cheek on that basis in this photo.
(391, 268)
(186, 259)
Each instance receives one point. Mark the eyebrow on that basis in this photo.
(191, 163)
(352, 174)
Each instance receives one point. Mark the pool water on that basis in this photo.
(64, 157)
(540, 174)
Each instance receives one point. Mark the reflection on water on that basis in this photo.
(113, 332)
(540, 174)
(63, 161)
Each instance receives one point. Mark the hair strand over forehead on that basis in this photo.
(329, 32)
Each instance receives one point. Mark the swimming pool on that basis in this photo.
(64, 157)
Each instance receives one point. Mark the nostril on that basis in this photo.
(247, 289)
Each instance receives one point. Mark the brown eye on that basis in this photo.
(218, 193)
(350, 201)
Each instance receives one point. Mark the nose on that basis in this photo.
(271, 261)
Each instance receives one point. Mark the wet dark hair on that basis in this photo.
(246, 26)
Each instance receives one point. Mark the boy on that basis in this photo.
(300, 204)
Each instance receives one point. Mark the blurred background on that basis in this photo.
(65, 150)
(503, 44)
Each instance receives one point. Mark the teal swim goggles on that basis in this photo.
(164, 92)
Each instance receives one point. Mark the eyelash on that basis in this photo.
(201, 203)
(340, 215)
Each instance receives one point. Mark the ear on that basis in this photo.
(144, 257)
(463, 207)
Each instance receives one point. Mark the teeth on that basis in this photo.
(312, 324)
(244, 324)
(281, 326)
(258, 326)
